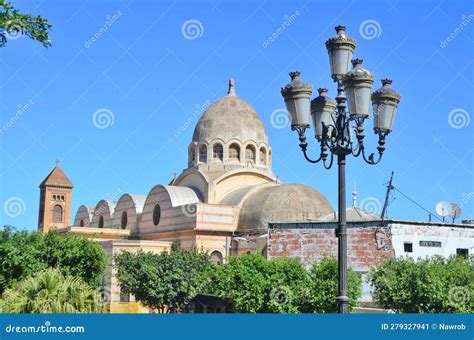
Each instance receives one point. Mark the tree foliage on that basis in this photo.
(166, 281)
(23, 254)
(430, 285)
(14, 23)
(50, 291)
(257, 285)
(319, 295)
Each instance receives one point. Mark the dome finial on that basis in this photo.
(231, 91)
(354, 197)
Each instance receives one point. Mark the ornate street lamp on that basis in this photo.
(333, 125)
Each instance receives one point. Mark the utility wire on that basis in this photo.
(419, 205)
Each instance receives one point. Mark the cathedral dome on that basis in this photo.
(229, 135)
(230, 118)
(287, 203)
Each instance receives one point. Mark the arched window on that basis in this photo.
(217, 152)
(263, 156)
(203, 154)
(192, 154)
(81, 224)
(156, 214)
(57, 213)
(234, 152)
(216, 257)
(250, 153)
(101, 221)
(124, 220)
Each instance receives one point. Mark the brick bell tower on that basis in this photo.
(55, 200)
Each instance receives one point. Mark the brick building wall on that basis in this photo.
(366, 245)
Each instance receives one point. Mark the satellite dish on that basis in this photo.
(455, 211)
(444, 209)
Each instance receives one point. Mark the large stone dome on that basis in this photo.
(230, 118)
(287, 203)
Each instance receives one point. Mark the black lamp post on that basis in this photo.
(333, 125)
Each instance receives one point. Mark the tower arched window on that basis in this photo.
(203, 154)
(124, 220)
(81, 224)
(250, 153)
(234, 152)
(218, 152)
(101, 221)
(57, 213)
(263, 156)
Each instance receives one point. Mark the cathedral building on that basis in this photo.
(223, 202)
(228, 202)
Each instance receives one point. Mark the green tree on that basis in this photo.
(23, 254)
(319, 296)
(257, 285)
(50, 291)
(166, 281)
(430, 285)
(14, 23)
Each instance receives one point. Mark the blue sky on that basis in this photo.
(149, 74)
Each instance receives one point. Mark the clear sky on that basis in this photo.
(148, 68)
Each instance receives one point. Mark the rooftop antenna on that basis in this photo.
(387, 196)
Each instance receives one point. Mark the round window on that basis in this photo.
(156, 214)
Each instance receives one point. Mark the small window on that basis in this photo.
(156, 214)
(234, 152)
(203, 154)
(57, 213)
(101, 221)
(81, 224)
(250, 153)
(263, 156)
(124, 220)
(218, 152)
(192, 154)
(62, 197)
(462, 252)
(54, 197)
(216, 258)
(408, 247)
